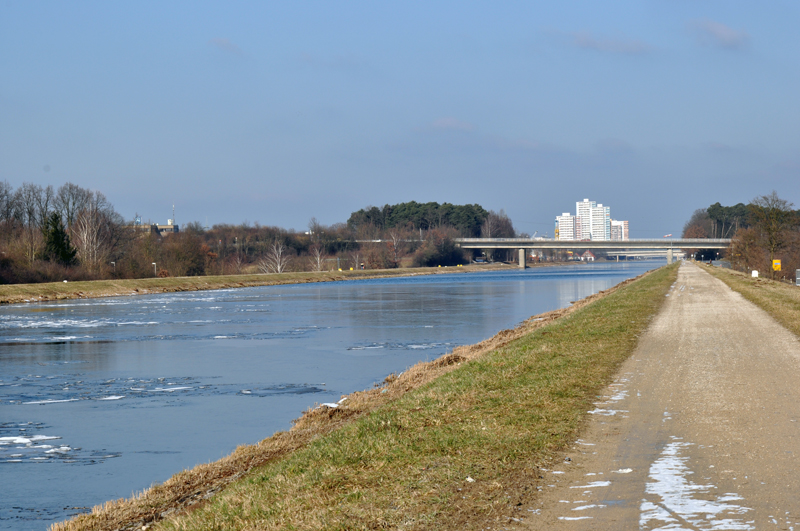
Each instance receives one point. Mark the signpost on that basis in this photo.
(776, 265)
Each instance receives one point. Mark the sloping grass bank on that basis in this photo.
(780, 300)
(450, 444)
(49, 291)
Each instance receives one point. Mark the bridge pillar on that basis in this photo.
(669, 256)
(522, 258)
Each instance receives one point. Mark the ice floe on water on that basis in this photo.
(26, 447)
(402, 346)
(52, 324)
(673, 499)
(51, 401)
(64, 391)
(284, 390)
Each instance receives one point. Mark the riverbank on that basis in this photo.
(52, 291)
(457, 436)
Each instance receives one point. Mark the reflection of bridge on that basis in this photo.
(668, 245)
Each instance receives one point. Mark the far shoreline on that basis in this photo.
(95, 289)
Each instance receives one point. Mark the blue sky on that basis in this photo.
(279, 111)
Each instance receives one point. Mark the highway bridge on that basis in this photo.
(669, 245)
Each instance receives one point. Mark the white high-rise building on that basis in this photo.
(595, 220)
(565, 227)
(583, 210)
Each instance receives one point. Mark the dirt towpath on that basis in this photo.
(701, 429)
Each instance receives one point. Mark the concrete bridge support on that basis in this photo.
(669, 256)
(522, 258)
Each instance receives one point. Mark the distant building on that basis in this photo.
(163, 230)
(169, 228)
(619, 230)
(592, 221)
(587, 256)
(566, 225)
(583, 210)
(595, 220)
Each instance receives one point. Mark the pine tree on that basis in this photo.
(57, 247)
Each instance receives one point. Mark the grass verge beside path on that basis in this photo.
(49, 291)
(450, 444)
(780, 300)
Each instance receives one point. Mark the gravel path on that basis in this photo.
(701, 429)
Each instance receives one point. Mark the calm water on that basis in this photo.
(100, 398)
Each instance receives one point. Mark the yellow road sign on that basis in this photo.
(776, 265)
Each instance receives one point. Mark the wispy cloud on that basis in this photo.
(226, 46)
(587, 41)
(713, 33)
(453, 124)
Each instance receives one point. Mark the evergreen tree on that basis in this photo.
(57, 247)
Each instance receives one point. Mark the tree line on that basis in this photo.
(466, 219)
(764, 230)
(73, 233)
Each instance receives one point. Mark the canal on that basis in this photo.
(101, 398)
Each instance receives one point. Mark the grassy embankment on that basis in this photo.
(780, 300)
(452, 444)
(15, 293)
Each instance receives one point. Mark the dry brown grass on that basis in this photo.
(189, 491)
(779, 299)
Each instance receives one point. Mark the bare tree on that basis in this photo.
(236, 263)
(45, 200)
(95, 232)
(7, 209)
(27, 199)
(314, 229)
(355, 256)
(746, 252)
(497, 225)
(699, 225)
(276, 259)
(70, 200)
(773, 217)
(316, 257)
(397, 244)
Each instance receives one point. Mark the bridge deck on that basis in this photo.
(528, 243)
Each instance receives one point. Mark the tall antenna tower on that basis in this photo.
(173, 213)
